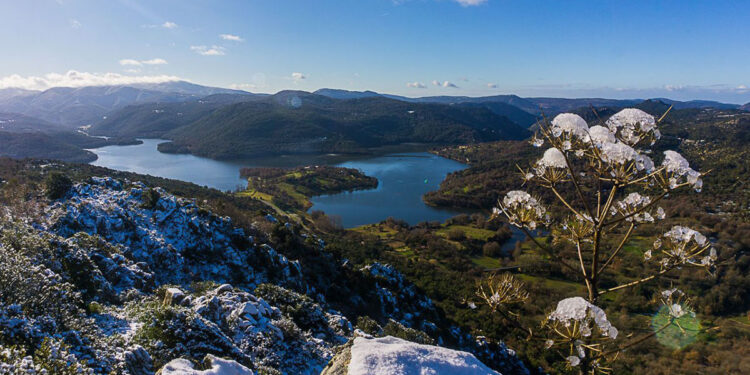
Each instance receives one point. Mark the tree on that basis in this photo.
(606, 186)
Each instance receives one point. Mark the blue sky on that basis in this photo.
(619, 49)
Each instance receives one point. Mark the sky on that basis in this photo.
(616, 49)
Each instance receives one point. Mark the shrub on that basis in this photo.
(492, 249)
(368, 325)
(150, 198)
(57, 185)
(456, 234)
(395, 329)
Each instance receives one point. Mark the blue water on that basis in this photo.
(403, 179)
(146, 159)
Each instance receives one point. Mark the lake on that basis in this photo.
(403, 179)
(146, 159)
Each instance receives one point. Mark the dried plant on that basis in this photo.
(607, 184)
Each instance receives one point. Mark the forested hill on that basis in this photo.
(300, 122)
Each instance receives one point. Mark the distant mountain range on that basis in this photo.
(74, 107)
(533, 106)
(224, 123)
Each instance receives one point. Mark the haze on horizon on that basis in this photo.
(634, 49)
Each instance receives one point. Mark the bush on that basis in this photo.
(57, 185)
(368, 325)
(150, 198)
(456, 234)
(492, 249)
(395, 329)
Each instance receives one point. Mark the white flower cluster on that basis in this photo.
(633, 207)
(676, 303)
(678, 168)
(587, 315)
(682, 245)
(615, 142)
(553, 158)
(570, 126)
(631, 125)
(523, 210)
(683, 235)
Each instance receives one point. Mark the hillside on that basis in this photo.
(298, 123)
(154, 120)
(59, 145)
(118, 274)
(18, 123)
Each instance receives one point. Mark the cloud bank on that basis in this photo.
(416, 85)
(74, 78)
(298, 76)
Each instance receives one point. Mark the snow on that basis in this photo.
(393, 356)
(553, 158)
(600, 135)
(680, 234)
(517, 204)
(679, 167)
(617, 153)
(219, 366)
(579, 310)
(632, 124)
(571, 125)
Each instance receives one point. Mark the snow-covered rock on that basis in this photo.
(394, 356)
(218, 366)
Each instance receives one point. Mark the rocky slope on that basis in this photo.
(119, 277)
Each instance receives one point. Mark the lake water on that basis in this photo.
(146, 159)
(403, 179)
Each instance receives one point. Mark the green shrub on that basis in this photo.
(456, 234)
(368, 325)
(395, 329)
(492, 249)
(57, 185)
(150, 198)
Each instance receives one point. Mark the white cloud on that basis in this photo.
(491, 86)
(742, 87)
(234, 38)
(298, 76)
(208, 51)
(469, 3)
(133, 62)
(126, 62)
(449, 84)
(75, 24)
(156, 61)
(74, 78)
(415, 85)
(436, 82)
(169, 25)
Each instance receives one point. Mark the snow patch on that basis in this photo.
(393, 356)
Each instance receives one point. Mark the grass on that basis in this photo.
(470, 232)
(487, 262)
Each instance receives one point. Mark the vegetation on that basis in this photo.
(302, 123)
(291, 189)
(713, 140)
